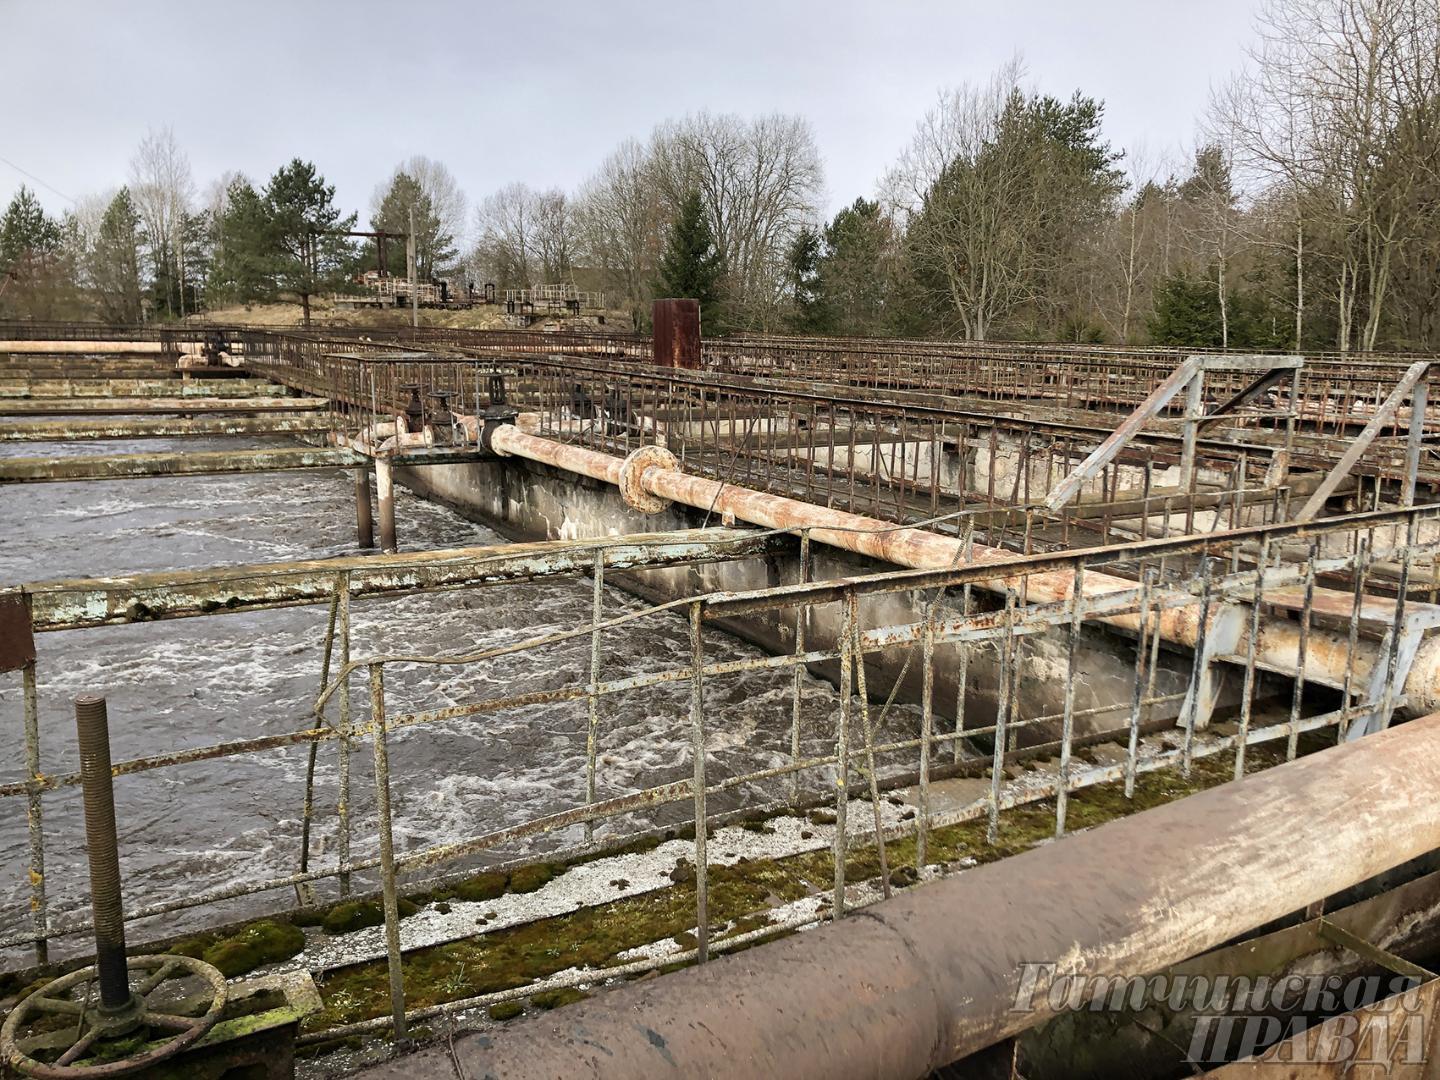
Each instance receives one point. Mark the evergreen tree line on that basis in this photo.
(1307, 218)
(151, 250)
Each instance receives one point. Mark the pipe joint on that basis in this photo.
(632, 478)
(490, 421)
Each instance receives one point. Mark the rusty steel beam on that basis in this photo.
(159, 427)
(1277, 644)
(933, 975)
(85, 602)
(37, 470)
(155, 405)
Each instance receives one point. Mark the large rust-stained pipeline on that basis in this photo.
(99, 348)
(914, 983)
(1277, 645)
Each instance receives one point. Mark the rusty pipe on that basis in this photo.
(1277, 645)
(385, 498)
(102, 348)
(911, 984)
(364, 525)
(84, 348)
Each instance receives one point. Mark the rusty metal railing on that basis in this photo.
(975, 654)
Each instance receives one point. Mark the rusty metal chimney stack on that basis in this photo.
(677, 333)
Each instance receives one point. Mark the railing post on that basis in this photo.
(387, 851)
(39, 915)
(697, 736)
(92, 730)
(592, 696)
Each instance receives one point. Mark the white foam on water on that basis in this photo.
(197, 682)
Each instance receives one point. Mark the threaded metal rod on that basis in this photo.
(92, 729)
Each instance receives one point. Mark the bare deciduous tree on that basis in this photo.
(620, 224)
(760, 181)
(998, 187)
(505, 236)
(1339, 103)
(163, 190)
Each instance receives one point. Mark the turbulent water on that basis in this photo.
(194, 682)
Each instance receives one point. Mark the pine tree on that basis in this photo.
(1187, 313)
(690, 267)
(114, 261)
(434, 247)
(242, 259)
(27, 234)
(306, 229)
(36, 276)
(803, 259)
(857, 270)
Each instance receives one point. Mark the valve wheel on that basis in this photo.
(92, 1025)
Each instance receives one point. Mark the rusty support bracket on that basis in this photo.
(1397, 965)
(1103, 454)
(1250, 393)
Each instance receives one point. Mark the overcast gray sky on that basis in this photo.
(540, 92)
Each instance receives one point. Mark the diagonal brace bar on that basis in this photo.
(1106, 451)
(1383, 416)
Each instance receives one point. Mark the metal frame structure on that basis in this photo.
(1188, 531)
(857, 753)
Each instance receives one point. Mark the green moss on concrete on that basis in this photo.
(308, 916)
(266, 942)
(193, 947)
(635, 847)
(741, 894)
(483, 886)
(553, 999)
(355, 915)
(505, 1010)
(529, 878)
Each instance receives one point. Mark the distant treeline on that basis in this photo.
(1307, 217)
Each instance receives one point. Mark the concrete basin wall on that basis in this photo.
(524, 500)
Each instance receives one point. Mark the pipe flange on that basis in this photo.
(635, 496)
